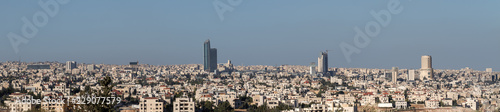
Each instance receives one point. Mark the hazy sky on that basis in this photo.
(457, 33)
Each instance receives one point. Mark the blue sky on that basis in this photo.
(457, 33)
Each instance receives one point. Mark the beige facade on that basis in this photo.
(18, 106)
(184, 104)
(395, 75)
(426, 72)
(151, 104)
(431, 104)
(53, 106)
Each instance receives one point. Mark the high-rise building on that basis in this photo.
(206, 55)
(70, 65)
(134, 66)
(209, 57)
(312, 68)
(426, 72)
(411, 75)
(489, 70)
(213, 59)
(91, 67)
(394, 74)
(323, 62)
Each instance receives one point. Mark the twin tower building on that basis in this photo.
(209, 57)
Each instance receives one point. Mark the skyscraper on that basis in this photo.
(323, 62)
(394, 74)
(209, 57)
(70, 65)
(213, 59)
(411, 75)
(312, 68)
(134, 67)
(206, 55)
(426, 71)
(489, 70)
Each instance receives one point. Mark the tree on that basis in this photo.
(320, 93)
(262, 108)
(340, 92)
(224, 107)
(340, 110)
(168, 108)
(455, 103)
(392, 101)
(206, 106)
(303, 105)
(246, 101)
(107, 85)
(282, 106)
(75, 90)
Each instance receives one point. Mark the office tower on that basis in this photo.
(493, 76)
(489, 70)
(426, 72)
(91, 67)
(213, 59)
(394, 74)
(312, 68)
(70, 65)
(411, 75)
(229, 66)
(323, 62)
(209, 57)
(206, 55)
(135, 67)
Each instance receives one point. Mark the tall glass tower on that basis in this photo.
(209, 57)
(323, 62)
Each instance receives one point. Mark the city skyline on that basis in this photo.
(456, 37)
(424, 63)
(256, 56)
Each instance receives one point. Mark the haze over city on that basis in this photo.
(249, 56)
(458, 34)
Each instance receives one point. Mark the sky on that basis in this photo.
(456, 33)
